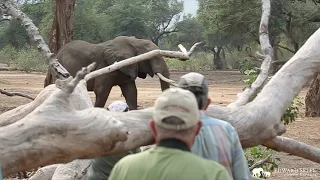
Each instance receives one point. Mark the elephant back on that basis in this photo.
(77, 54)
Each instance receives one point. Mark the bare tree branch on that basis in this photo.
(294, 147)
(286, 48)
(15, 94)
(117, 65)
(250, 92)
(263, 161)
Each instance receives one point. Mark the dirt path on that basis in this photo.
(224, 86)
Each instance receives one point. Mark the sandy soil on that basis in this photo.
(224, 86)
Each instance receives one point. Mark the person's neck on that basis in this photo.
(202, 112)
(174, 143)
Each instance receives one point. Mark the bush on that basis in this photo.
(8, 53)
(198, 61)
(26, 59)
(245, 65)
(259, 153)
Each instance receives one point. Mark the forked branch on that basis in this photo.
(69, 87)
(263, 161)
(294, 147)
(250, 92)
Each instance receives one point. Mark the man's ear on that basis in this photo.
(199, 127)
(208, 103)
(153, 128)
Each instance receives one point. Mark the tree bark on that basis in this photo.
(312, 99)
(62, 25)
(275, 66)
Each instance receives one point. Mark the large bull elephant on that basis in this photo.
(77, 54)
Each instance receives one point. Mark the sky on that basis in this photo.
(190, 6)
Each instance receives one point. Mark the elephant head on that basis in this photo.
(123, 47)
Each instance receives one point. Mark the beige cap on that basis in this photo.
(179, 103)
(192, 79)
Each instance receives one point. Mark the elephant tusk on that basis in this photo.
(171, 82)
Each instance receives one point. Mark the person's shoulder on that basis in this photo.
(132, 158)
(210, 121)
(207, 163)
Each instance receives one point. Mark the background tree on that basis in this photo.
(188, 31)
(143, 18)
(62, 30)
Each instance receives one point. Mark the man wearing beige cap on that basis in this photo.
(217, 140)
(175, 126)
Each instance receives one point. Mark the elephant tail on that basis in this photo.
(48, 79)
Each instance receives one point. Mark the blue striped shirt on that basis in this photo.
(219, 141)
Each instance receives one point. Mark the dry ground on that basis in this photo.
(224, 85)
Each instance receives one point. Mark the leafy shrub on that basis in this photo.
(260, 153)
(198, 61)
(292, 111)
(8, 53)
(246, 65)
(27, 59)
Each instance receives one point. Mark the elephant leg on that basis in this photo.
(102, 88)
(129, 91)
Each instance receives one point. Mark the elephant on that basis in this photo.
(78, 53)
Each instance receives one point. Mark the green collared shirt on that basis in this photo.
(162, 163)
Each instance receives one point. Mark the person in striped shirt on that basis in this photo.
(217, 140)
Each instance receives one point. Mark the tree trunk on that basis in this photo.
(63, 25)
(312, 100)
(217, 61)
(224, 61)
(275, 66)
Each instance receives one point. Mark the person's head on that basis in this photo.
(176, 115)
(197, 84)
(118, 106)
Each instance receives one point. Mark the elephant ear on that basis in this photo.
(146, 67)
(120, 49)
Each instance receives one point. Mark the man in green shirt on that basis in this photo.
(175, 126)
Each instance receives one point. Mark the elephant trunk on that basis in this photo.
(160, 68)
